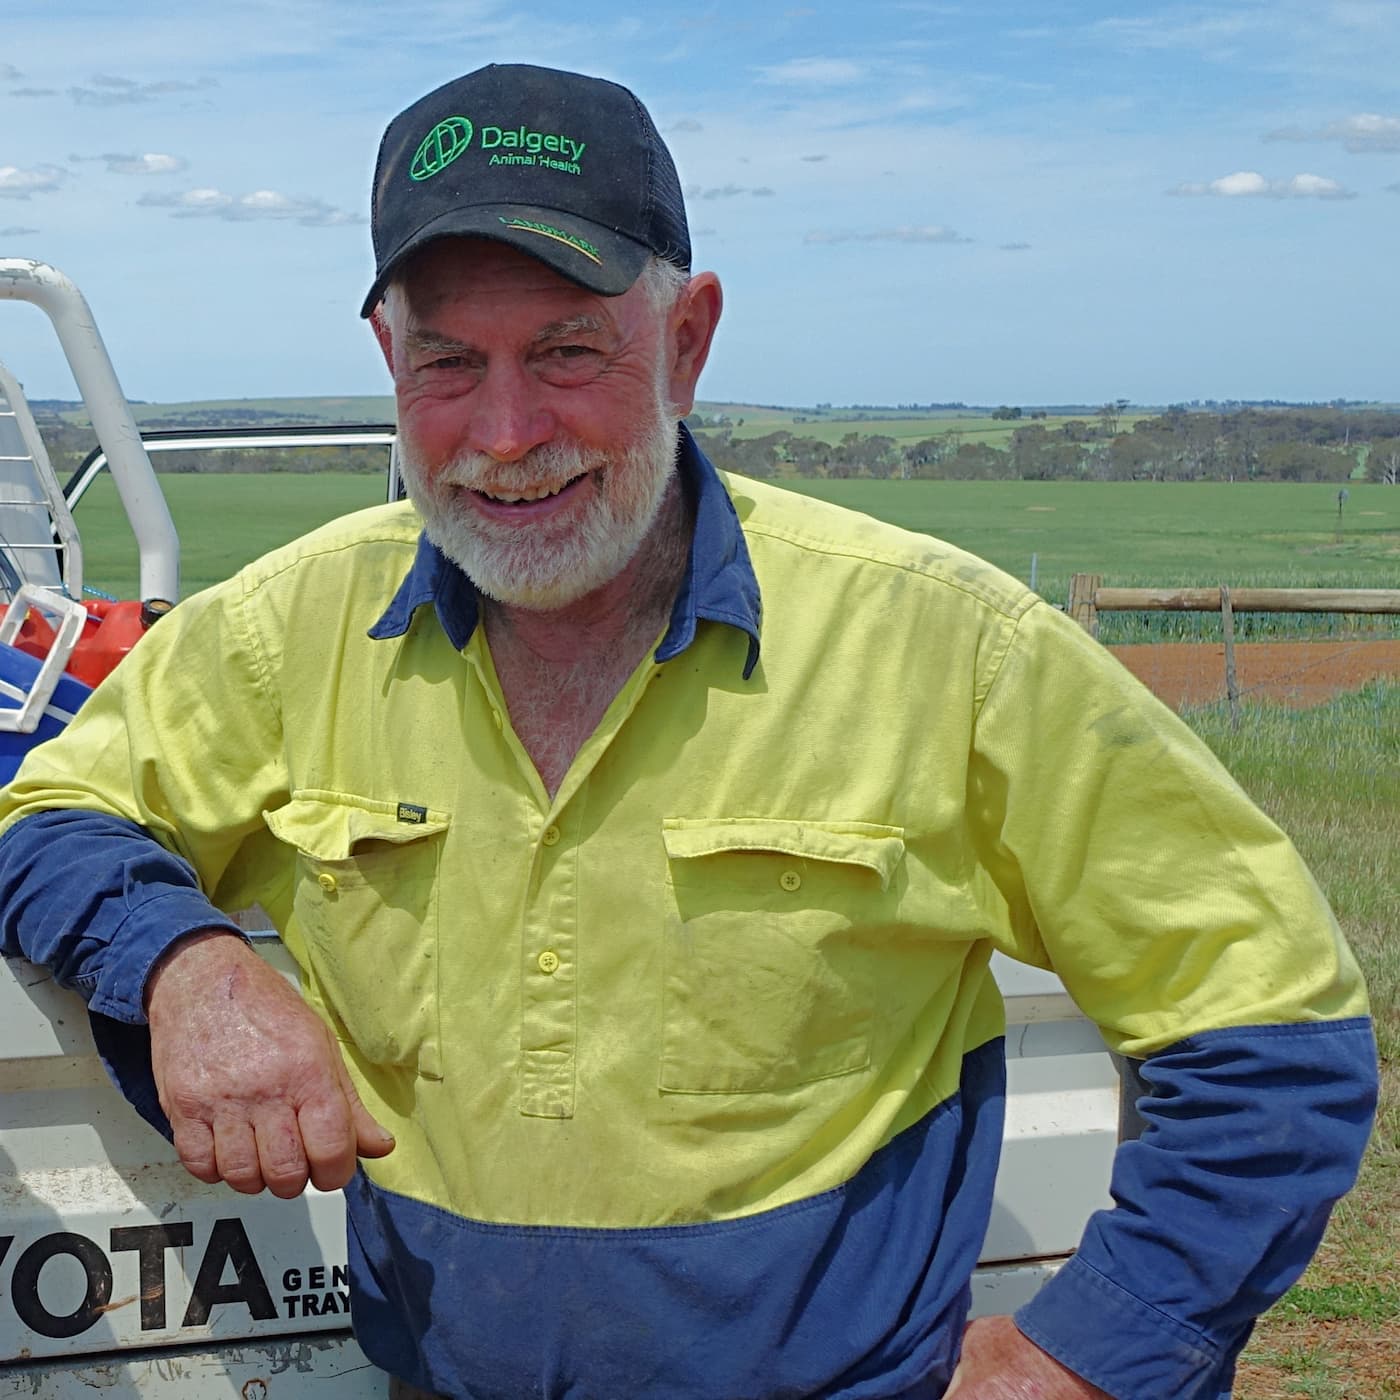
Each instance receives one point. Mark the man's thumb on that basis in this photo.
(371, 1139)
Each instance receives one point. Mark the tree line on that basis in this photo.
(1182, 444)
(1298, 444)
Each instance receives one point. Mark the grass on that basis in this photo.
(224, 521)
(1133, 533)
(1138, 534)
(1330, 776)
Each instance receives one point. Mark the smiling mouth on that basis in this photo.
(530, 494)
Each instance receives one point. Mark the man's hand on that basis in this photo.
(999, 1362)
(252, 1081)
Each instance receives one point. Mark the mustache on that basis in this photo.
(552, 464)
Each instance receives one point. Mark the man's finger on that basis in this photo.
(236, 1151)
(194, 1142)
(329, 1139)
(281, 1158)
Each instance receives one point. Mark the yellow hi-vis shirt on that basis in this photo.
(717, 1018)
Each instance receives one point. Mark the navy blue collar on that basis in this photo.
(719, 583)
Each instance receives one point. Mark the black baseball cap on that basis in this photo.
(567, 168)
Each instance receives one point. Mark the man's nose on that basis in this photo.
(507, 418)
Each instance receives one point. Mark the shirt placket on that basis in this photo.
(549, 972)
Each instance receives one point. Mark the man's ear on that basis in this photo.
(693, 323)
(379, 323)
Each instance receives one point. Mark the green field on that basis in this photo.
(1133, 533)
(224, 521)
(1139, 534)
(751, 422)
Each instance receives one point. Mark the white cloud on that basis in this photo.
(924, 233)
(33, 92)
(727, 191)
(1014, 247)
(1362, 134)
(105, 90)
(17, 231)
(814, 159)
(686, 125)
(20, 184)
(148, 164)
(9, 73)
(1250, 184)
(814, 72)
(1151, 32)
(260, 204)
(1314, 187)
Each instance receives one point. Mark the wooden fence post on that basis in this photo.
(1082, 588)
(1227, 621)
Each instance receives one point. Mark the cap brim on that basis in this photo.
(598, 258)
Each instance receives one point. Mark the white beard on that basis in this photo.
(550, 564)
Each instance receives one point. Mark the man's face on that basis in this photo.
(535, 435)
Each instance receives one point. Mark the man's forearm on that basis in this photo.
(97, 900)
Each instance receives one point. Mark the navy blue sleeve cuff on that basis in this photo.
(1119, 1343)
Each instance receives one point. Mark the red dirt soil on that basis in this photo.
(1288, 673)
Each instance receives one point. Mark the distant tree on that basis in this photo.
(926, 457)
(1109, 415)
(1039, 455)
(862, 454)
(1383, 462)
(1006, 412)
(1302, 461)
(1133, 457)
(976, 461)
(808, 456)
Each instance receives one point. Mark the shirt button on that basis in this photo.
(326, 881)
(550, 836)
(548, 962)
(790, 880)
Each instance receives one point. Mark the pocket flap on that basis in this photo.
(878, 848)
(329, 825)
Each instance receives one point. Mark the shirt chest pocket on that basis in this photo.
(767, 958)
(366, 904)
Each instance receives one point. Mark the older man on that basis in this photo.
(645, 933)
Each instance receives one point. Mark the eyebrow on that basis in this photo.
(430, 342)
(582, 324)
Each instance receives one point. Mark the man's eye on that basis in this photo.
(570, 352)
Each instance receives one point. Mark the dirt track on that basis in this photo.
(1290, 673)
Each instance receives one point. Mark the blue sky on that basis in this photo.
(906, 201)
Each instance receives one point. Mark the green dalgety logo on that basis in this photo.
(440, 147)
(519, 145)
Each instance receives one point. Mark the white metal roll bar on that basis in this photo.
(22, 279)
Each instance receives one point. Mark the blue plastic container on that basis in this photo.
(18, 672)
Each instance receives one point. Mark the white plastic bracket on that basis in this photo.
(72, 617)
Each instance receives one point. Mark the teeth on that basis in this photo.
(531, 493)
